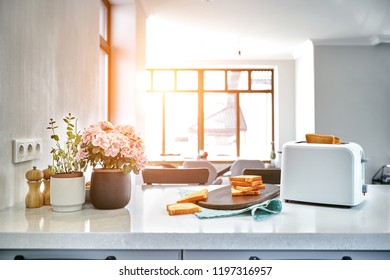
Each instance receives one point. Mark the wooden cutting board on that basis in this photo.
(222, 199)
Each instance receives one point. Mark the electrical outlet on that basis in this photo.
(26, 149)
(18, 151)
(38, 147)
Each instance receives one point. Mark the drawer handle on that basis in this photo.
(21, 257)
(254, 258)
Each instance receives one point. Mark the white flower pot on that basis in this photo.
(67, 194)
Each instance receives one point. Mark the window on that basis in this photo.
(104, 58)
(226, 112)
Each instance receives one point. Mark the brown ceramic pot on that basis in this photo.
(110, 188)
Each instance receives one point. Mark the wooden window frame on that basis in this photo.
(105, 45)
(201, 91)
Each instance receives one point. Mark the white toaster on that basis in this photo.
(323, 173)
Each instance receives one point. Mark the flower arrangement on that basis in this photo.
(113, 146)
(65, 157)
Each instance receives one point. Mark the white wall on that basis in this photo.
(352, 98)
(48, 68)
(285, 120)
(304, 91)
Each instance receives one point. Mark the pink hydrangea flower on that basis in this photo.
(113, 147)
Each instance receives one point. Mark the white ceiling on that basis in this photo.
(272, 29)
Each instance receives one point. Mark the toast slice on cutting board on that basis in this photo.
(245, 178)
(183, 208)
(246, 185)
(194, 197)
(236, 192)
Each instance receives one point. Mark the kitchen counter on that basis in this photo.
(145, 225)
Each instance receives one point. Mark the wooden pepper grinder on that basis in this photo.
(46, 182)
(34, 198)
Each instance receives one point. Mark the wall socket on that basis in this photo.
(26, 149)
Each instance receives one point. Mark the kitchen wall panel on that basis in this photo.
(48, 68)
(352, 97)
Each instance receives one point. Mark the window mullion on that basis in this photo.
(238, 127)
(226, 81)
(163, 124)
(272, 107)
(249, 80)
(104, 44)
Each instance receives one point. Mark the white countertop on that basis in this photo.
(145, 224)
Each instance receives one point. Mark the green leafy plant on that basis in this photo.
(65, 156)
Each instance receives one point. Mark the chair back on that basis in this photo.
(238, 166)
(191, 176)
(203, 164)
(270, 175)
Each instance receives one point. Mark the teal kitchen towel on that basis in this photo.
(258, 211)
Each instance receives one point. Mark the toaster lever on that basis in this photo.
(364, 189)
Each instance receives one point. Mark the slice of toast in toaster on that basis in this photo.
(322, 139)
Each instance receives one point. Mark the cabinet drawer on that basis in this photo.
(90, 254)
(282, 255)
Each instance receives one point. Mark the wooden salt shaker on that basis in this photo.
(34, 198)
(46, 182)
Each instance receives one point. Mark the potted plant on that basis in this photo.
(113, 151)
(67, 186)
